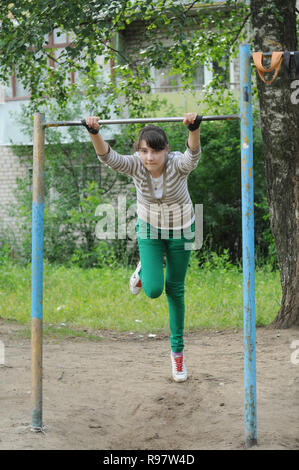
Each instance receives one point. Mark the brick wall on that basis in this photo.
(10, 170)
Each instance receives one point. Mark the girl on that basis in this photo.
(165, 223)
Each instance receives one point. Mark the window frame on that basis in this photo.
(51, 45)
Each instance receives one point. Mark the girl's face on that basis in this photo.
(152, 159)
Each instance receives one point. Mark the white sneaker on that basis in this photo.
(135, 281)
(179, 370)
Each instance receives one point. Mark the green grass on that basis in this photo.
(58, 332)
(100, 299)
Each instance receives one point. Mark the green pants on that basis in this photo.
(153, 245)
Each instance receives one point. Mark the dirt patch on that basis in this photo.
(117, 393)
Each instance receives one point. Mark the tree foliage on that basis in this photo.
(177, 35)
(93, 27)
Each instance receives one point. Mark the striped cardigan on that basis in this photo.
(174, 210)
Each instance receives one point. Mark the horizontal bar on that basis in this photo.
(104, 122)
(270, 53)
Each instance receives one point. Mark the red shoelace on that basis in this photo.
(179, 363)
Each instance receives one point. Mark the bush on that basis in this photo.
(5, 253)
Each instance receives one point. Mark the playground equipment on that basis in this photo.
(245, 117)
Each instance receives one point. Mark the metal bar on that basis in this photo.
(270, 53)
(37, 272)
(140, 120)
(248, 246)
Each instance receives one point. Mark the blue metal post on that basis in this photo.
(37, 273)
(248, 245)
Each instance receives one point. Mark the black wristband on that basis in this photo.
(196, 123)
(90, 129)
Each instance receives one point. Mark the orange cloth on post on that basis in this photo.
(276, 60)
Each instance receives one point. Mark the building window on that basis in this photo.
(222, 72)
(58, 41)
(15, 90)
(165, 82)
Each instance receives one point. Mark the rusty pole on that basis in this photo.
(37, 272)
(248, 246)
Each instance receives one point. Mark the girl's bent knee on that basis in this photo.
(153, 292)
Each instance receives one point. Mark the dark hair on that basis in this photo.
(154, 137)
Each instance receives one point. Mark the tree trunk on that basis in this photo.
(274, 29)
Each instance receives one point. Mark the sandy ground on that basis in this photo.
(118, 394)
